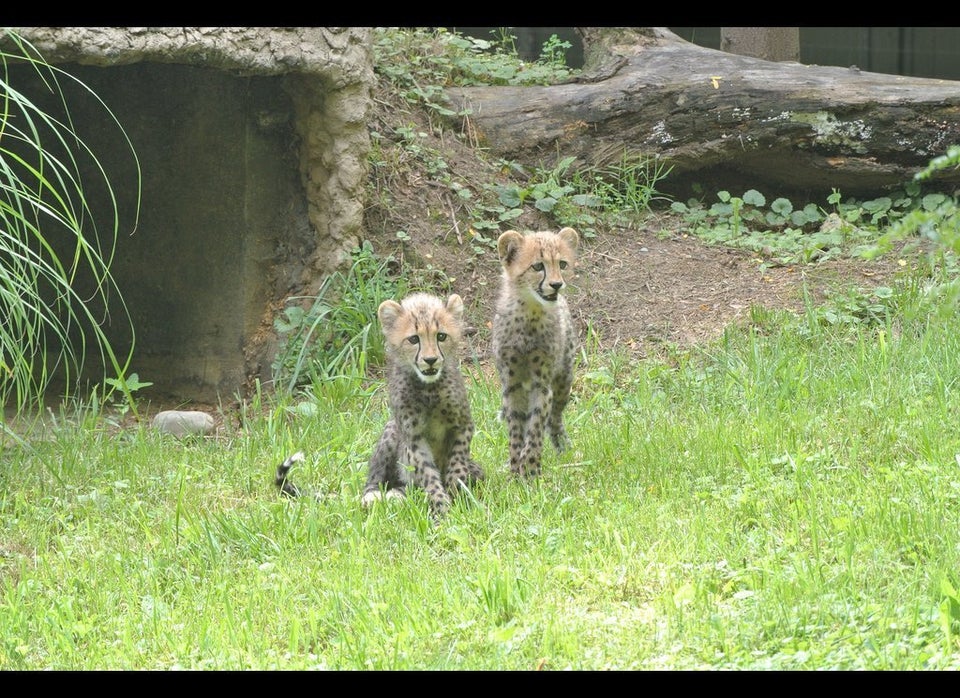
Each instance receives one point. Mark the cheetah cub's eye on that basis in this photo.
(563, 264)
(413, 339)
(537, 267)
(441, 336)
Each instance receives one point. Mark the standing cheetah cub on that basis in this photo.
(534, 342)
(426, 442)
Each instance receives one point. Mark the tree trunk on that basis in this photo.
(766, 43)
(722, 120)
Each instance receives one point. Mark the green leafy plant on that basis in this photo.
(932, 223)
(786, 234)
(554, 52)
(421, 62)
(49, 241)
(949, 160)
(334, 333)
(949, 613)
(865, 307)
(131, 384)
(581, 197)
(935, 217)
(542, 191)
(411, 141)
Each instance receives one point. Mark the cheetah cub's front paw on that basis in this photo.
(376, 495)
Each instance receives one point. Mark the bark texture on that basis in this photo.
(768, 43)
(722, 119)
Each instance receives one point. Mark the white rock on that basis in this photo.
(183, 422)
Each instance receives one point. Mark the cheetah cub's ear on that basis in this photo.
(455, 306)
(569, 236)
(508, 244)
(388, 312)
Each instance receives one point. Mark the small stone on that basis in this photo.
(183, 422)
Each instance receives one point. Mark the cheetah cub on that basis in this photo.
(426, 442)
(534, 342)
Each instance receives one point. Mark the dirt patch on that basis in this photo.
(641, 289)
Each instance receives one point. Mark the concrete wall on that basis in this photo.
(223, 229)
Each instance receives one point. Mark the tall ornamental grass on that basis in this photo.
(51, 243)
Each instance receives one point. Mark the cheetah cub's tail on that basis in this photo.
(281, 479)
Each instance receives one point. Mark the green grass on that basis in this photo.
(56, 252)
(785, 498)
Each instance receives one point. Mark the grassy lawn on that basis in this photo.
(783, 499)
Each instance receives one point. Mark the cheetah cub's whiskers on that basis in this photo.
(426, 441)
(534, 342)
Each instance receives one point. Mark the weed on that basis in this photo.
(128, 385)
(783, 233)
(411, 141)
(577, 197)
(422, 61)
(543, 191)
(333, 334)
(627, 187)
(863, 307)
(554, 52)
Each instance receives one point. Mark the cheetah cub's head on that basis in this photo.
(535, 262)
(420, 331)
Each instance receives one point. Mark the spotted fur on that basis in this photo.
(427, 440)
(282, 478)
(283, 482)
(534, 342)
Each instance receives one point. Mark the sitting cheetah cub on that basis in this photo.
(534, 342)
(426, 442)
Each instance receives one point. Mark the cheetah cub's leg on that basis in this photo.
(514, 396)
(426, 475)
(462, 470)
(561, 396)
(385, 476)
(516, 420)
(531, 455)
(525, 428)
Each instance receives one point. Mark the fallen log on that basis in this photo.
(723, 120)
